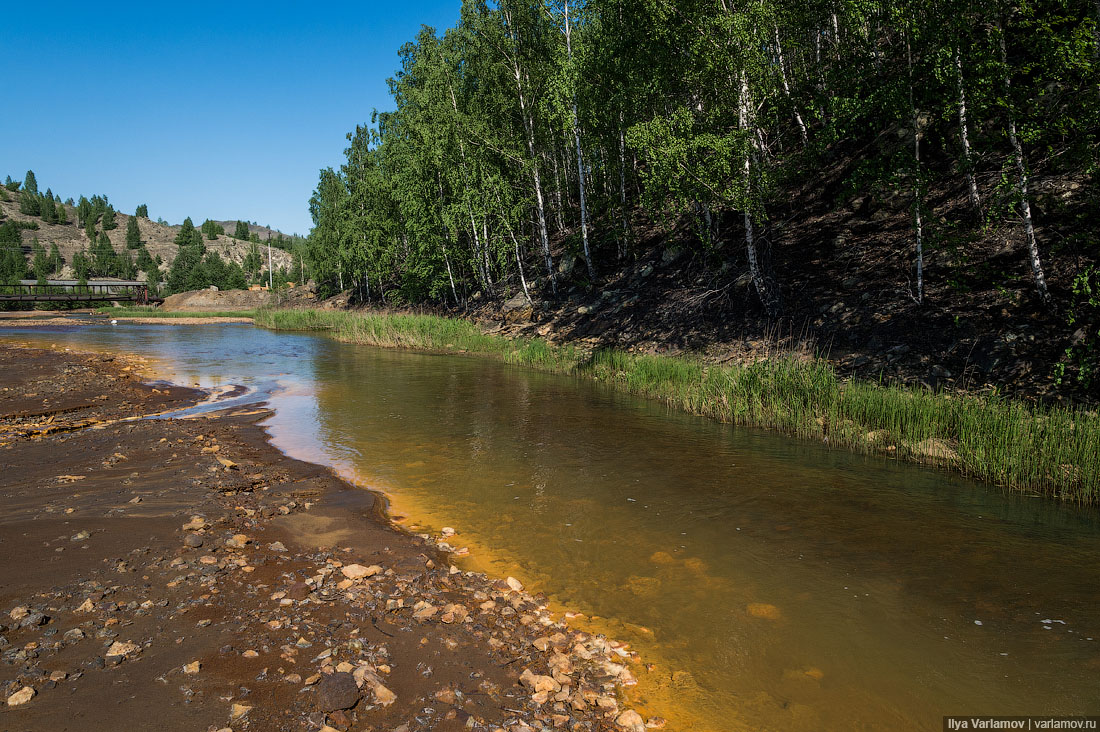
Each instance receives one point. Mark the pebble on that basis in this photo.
(358, 571)
(22, 696)
(238, 710)
(119, 648)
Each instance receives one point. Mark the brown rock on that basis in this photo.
(336, 691)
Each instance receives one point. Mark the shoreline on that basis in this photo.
(1017, 445)
(298, 561)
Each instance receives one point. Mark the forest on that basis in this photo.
(538, 141)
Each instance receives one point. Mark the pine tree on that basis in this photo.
(30, 184)
(82, 265)
(29, 204)
(133, 233)
(41, 261)
(187, 235)
(142, 211)
(109, 222)
(241, 232)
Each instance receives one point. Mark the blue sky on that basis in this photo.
(209, 110)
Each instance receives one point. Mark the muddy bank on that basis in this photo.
(183, 574)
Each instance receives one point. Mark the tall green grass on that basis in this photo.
(1050, 450)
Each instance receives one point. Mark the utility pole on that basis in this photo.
(269, 285)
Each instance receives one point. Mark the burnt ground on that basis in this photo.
(183, 574)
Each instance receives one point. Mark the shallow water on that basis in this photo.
(775, 584)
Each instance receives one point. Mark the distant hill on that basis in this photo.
(159, 238)
(263, 232)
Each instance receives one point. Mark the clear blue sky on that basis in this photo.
(209, 110)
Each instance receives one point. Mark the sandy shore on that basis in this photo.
(182, 574)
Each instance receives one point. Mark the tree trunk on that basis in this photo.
(787, 89)
(758, 279)
(559, 220)
(443, 241)
(529, 124)
(1021, 185)
(964, 134)
(918, 223)
(622, 189)
(580, 154)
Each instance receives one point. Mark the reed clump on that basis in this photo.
(1050, 450)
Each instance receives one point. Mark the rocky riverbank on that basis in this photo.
(183, 574)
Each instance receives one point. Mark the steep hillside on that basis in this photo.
(264, 232)
(158, 238)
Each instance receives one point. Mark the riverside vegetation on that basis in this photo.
(1051, 450)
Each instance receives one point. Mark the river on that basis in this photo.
(774, 584)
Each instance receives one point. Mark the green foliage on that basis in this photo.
(29, 203)
(109, 222)
(11, 185)
(104, 257)
(13, 265)
(55, 260)
(212, 229)
(241, 231)
(133, 233)
(30, 183)
(82, 265)
(142, 211)
(1082, 358)
(189, 236)
(41, 263)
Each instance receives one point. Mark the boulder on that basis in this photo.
(336, 691)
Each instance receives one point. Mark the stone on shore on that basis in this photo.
(22, 696)
(358, 571)
(337, 691)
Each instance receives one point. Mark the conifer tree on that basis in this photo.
(142, 211)
(30, 184)
(133, 233)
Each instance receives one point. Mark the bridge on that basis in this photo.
(76, 291)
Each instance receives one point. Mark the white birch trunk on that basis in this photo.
(529, 124)
(744, 119)
(787, 89)
(580, 154)
(918, 222)
(964, 134)
(622, 188)
(1021, 169)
